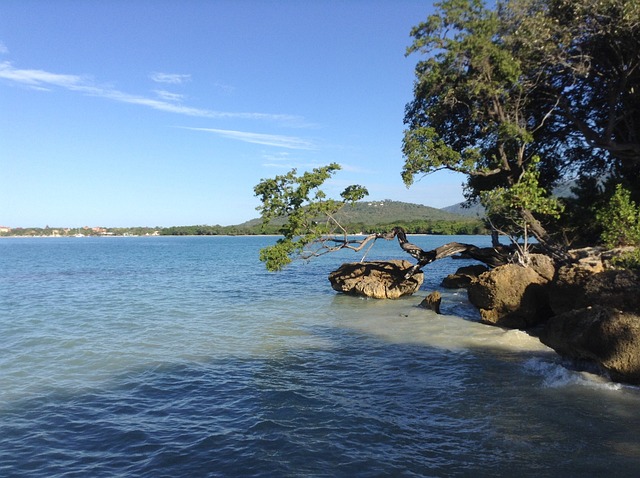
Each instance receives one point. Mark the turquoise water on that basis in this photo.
(177, 357)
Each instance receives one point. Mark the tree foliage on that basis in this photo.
(587, 53)
(512, 209)
(550, 82)
(620, 220)
(309, 214)
(470, 111)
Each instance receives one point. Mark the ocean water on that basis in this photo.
(171, 357)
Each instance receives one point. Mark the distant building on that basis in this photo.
(4, 229)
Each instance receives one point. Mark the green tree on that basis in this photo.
(470, 112)
(620, 220)
(506, 206)
(553, 79)
(310, 217)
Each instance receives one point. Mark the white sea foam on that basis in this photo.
(557, 375)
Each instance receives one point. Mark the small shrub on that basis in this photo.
(620, 220)
(628, 260)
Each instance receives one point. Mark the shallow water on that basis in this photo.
(183, 357)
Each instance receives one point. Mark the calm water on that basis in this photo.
(171, 357)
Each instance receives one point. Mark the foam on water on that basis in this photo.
(402, 321)
(557, 374)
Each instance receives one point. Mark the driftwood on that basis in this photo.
(491, 256)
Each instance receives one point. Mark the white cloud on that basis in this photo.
(44, 80)
(288, 142)
(171, 78)
(3, 49)
(39, 78)
(168, 96)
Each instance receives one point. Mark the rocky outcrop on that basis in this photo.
(596, 315)
(605, 335)
(513, 296)
(586, 310)
(378, 280)
(463, 276)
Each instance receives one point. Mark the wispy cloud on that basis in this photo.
(44, 80)
(288, 142)
(3, 49)
(168, 96)
(39, 78)
(227, 89)
(171, 78)
(284, 160)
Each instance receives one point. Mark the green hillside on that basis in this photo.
(369, 216)
(387, 211)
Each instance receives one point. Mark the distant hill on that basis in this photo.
(385, 212)
(476, 211)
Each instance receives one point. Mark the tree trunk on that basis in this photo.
(548, 243)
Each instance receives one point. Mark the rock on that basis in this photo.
(590, 310)
(376, 279)
(543, 265)
(602, 334)
(577, 286)
(511, 296)
(463, 276)
(432, 302)
(589, 258)
(614, 288)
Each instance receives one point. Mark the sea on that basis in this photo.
(183, 357)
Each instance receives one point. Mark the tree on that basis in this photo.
(470, 112)
(506, 206)
(554, 79)
(620, 220)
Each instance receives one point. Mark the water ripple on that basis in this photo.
(147, 358)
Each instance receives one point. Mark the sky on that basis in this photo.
(158, 113)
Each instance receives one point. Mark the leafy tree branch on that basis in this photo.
(311, 228)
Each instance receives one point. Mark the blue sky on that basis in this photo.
(159, 113)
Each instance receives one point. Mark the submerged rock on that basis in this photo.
(376, 279)
(432, 302)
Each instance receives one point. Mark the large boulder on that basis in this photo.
(512, 296)
(605, 335)
(376, 279)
